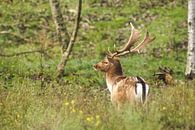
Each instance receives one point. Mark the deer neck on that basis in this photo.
(112, 75)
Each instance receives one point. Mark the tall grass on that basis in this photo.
(28, 106)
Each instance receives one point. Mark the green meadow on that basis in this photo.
(32, 99)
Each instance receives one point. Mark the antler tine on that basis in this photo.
(134, 37)
(147, 39)
(108, 53)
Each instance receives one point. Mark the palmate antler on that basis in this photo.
(134, 38)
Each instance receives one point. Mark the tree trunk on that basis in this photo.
(66, 53)
(190, 68)
(63, 36)
(61, 29)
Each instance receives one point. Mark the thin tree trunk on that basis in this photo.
(63, 36)
(66, 53)
(190, 68)
(61, 29)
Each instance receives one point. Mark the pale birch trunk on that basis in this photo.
(190, 68)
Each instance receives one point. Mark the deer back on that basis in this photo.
(129, 90)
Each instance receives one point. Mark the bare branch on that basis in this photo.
(25, 52)
(15, 35)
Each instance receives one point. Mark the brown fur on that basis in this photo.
(123, 88)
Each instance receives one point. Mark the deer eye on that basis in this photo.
(105, 62)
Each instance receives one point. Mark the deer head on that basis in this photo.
(109, 65)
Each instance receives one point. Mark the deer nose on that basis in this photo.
(95, 66)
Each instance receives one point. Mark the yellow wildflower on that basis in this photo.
(73, 110)
(89, 119)
(80, 112)
(72, 102)
(97, 116)
(66, 103)
(97, 123)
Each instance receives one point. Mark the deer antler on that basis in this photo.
(147, 39)
(134, 37)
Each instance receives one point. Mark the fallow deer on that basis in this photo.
(125, 89)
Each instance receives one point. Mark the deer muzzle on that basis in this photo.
(95, 67)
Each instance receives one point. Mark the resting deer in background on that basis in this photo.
(125, 89)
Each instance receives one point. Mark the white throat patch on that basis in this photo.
(109, 85)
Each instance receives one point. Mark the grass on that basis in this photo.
(30, 98)
(55, 107)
